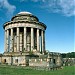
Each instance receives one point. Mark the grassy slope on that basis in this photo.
(8, 70)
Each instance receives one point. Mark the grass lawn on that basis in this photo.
(10, 70)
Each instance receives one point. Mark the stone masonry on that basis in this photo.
(25, 43)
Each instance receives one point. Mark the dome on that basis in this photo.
(24, 12)
(25, 16)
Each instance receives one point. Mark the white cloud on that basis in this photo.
(4, 4)
(35, 0)
(22, 0)
(65, 7)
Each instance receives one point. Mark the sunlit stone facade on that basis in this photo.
(24, 33)
(25, 43)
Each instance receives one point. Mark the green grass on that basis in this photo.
(10, 70)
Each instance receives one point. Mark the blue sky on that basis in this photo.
(58, 15)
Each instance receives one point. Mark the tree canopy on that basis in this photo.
(68, 55)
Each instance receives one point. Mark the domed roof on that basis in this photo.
(24, 12)
(24, 16)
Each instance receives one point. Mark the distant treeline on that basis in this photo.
(68, 55)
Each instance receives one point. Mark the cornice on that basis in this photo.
(13, 22)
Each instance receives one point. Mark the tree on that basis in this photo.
(68, 55)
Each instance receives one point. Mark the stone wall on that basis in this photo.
(19, 60)
(68, 61)
(38, 62)
(6, 60)
(50, 60)
(13, 60)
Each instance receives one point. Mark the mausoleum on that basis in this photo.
(25, 42)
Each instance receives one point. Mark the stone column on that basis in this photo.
(17, 39)
(5, 41)
(32, 39)
(11, 40)
(42, 35)
(38, 41)
(7, 49)
(20, 42)
(44, 40)
(24, 38)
